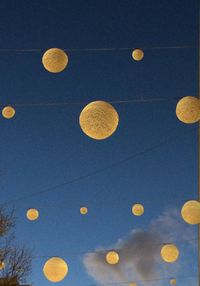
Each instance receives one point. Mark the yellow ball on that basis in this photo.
(55, 60)
(173, 282)
(83, 210)
(112, 257)
(2, 265)
(8, 112)
(55, 269)
(137, 55)
(32, 214)
(191, 212)
(169, 253)
(132, 284)
(137, 209)
(188, 109)
(99, 120)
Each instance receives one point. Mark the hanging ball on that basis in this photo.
(191, 212)
(55, 269)
(8, 112)
(2, 265)
(173, 282)
(137, 209)
(137, 55)
(83, 210)
(55, 60)
(32, 214)
(169, 253)
(99, 120)
(188, 109)
(112, 257)
(132, 284)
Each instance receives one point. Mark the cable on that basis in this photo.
(91, 174)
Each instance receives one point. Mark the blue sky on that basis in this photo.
(43, 146)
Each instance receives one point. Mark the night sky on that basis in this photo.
(151, 158)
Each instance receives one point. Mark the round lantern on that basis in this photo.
(32, 214)
(55, 60)
(169, 253)
(191, 212)
(83, 210)
(55, 269)
(112, 257)
(99, 120)
(8, 112)
(137, 54)
(173, 282)
(188, 109)
(137, 209)
(132, 284)
(2, 265)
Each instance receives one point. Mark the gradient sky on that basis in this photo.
(43, 146)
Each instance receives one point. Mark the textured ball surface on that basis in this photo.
(137, 55)
(169, 253)
(55, 269)
(55, 60)
(112, 257)
(8, 112)
(191, 212)
(188, 109)
(138, 209)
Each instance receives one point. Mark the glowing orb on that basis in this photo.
(83, 210)
(55, 60)
(173, 282)
(8, 112)
(32, 214)
(55, 269)
(169, 253)
(188, 109)
(112, 257)
(191, 212)
(99, 120)
(137, 55)
(138, 209)
(2, 265)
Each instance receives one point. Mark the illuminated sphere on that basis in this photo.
(55, 269)
(169, 253)
(188, 109)
(137, 55)
(8, 112)
(99, 120)
(191, 212)
(32, 214)
(2, 265)
(55, 60)
(173, 282)
(112, 257)
(132, 284)
(138, 209)
(83, 210)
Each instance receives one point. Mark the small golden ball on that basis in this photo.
(173, 282)
(55, 269)
(188, 109)
(191, 212)
(55, 60)
(137, 54)
(138, 209)
(8, 112)
(32, 214)
(83, 210)
(169, 253)
(2, 265)
(112, 257)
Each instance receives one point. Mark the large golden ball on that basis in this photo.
(191, 212)
(55, 269)
(137, 209)
(83, 210)
(169, 253)
(55, 60)
(32, 214)
(2, 265)
(137, 54)
(8, 112)
(112, 257)
(99, 120)
(173, 282)
(188, 109)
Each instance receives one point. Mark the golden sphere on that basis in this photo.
(99, 120)
(137, 209)
(132, 284)
(112, 257)
(83, 210)
(8, 112)
(55, 269)
(191, 212)
(137, 55)
(32, 214)
(169, 253)
(173, 282)
(188, 109)
(2, 265)
(55, 60)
